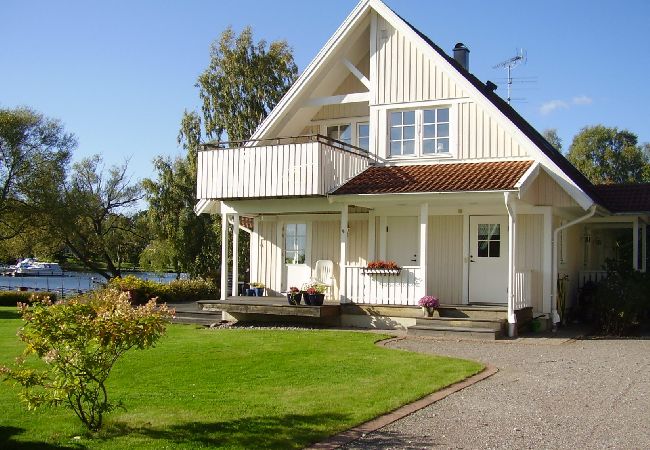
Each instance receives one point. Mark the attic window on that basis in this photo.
(342, 132)
(420, 132)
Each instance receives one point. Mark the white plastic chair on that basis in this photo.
(323, 274)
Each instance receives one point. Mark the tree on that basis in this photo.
(550, 134)
(34, 151)
(609, 155)
(80, 341)
(242, 83)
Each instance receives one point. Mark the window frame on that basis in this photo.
(419, 132)
(354, 123)
(295, 248)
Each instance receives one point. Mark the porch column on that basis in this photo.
(371, 236)
(424, 222)
(235, 255)
(344, 254)
(224, 255)
(635, 244)
(512, 235)
(644, 247)
(547, 283)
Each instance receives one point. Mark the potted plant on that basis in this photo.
(294, 295)
(259, 288)
(429, 304)
(382, 268)
(315, 294)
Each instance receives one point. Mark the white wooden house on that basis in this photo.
(387, 148)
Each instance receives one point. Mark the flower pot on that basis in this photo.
(429, 311)
(250, 292)
(259, 292)
(316, 299)
(307, 298)
(294, 299)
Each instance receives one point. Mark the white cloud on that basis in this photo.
(582, 100)
(551, 106)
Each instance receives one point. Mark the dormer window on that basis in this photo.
(419, 132)
(341, 132)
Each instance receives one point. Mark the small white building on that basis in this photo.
(387, 148)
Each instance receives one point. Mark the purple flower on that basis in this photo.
(429, 301)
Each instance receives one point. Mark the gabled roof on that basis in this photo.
(625, 198)
(455, 177)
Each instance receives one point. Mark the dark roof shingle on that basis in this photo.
(481, 176)
(622, 198)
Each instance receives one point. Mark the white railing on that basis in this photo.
(281, 169)
(383, 289)
(590, 276)
(523, 290)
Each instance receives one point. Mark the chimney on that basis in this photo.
(461, 55)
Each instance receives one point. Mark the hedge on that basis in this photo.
(11, 298)
(176, 291)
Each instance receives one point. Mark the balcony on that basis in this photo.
(299, 166)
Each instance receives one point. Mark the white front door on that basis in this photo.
(488, 259)
(402, 240)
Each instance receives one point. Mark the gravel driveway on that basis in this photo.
(548, 393)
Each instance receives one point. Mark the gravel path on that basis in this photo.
(548, 393)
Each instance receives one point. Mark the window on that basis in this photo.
(363, 136)
(295, 242)
(489, 240)
(342, 132)
(419, 132)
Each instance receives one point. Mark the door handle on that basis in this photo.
(470, 258)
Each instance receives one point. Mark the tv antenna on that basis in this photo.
(511, 63)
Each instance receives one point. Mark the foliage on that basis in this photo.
(12, 298)
(315, 288)
(552, 137)
(158, 256)
(141, 291)
(34, 151)
(392, 265)
(429, 301)
(621, 301)
(609, 155)
(243, 82)
(257, 284)
(80, 341)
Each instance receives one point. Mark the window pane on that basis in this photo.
(409, 147)
(409, 132)
(300, 258)
(409, 117)
(289, 257)
(495, 231)
(429, 146)
(429, 131)
(443, 145)
(429, 115)
(363, 130)
(395, 134)
(483, 249)
(300, 243)
(443, 114)
(333, 132)
(443, 130)
(364, 143)
(395, 148)
(345, 133)
(396, 118)
(483, 231)
(495, 249)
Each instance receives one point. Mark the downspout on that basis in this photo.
(555, 317)
(512, 318)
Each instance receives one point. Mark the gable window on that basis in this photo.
(419, 132)
(341, 132)
(295, 243)
(363, 136)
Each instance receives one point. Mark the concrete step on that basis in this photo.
(453, 331)
(462, 322)
(474, 312)
(197, 317)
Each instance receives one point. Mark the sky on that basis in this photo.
(119, 74)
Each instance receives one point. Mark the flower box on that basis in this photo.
(367, 271)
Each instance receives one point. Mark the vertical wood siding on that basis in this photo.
(269, 254)
(546, 192)
(445, 258)
(530, 255)
(325, 244)
(344, 110)
(406, 74)
(358, 243)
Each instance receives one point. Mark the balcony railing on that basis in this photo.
(282, 167)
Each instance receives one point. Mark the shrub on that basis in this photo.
(141, 291)
(80, 340)
(621, 301)
(12, 298)
(190, 290)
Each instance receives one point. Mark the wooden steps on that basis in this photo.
(471, 321)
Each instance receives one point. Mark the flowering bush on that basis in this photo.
(293, 290)
(314, 288)
(383, 265)
(429, 301)
(141, 291)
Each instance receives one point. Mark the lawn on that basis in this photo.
(234, 388)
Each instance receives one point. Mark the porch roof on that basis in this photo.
(625, 198)
(455, 177)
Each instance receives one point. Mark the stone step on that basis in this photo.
(452, 331)
(474, 312)
(462, 322)
(197, 317)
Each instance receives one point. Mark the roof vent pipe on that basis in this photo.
(461, 55)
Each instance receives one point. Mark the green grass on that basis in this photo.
(234, 388)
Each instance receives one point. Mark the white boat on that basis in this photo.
(30, 267)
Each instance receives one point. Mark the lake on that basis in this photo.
(72, 283)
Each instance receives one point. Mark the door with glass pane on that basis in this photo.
(488, 259)
(295, 265)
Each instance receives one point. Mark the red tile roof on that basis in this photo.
(481, 176)
(625, 197)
